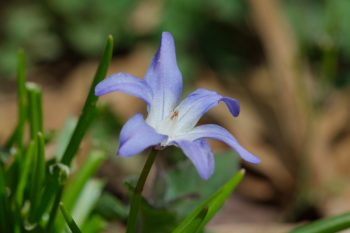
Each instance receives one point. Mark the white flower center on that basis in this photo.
(168, 126)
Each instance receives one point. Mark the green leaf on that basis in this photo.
(57, 175)
(22, 96)
(110, 207)
(13, 138)
(212, 204)
(75, 188)
(87, 200)
(89, 109)
(76, 185)
(195, 190)
(327, 225)
(26, 168)
(18, 133)
(12, 170)
(38, 175)
(54, 208)
(63, 137)
(85, 119)
(5, 213)
(95, 224)
(195, 224)
(156, 220)
(35, 109)
(69, 220)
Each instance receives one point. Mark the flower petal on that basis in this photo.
(191, 109)
(126, 83)
(136, 136)
(219, 133)
(165, 80)
(200, 154)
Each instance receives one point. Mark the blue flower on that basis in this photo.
(170, 122)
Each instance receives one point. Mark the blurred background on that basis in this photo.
(286, 61)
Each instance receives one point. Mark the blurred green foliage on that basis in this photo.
(57, 29)
(214, 34)
(322, 29)
(61, 30)
(33, 186)
(182, 196)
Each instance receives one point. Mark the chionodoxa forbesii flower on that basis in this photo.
(170, 122)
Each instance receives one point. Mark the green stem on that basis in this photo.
(136, 196)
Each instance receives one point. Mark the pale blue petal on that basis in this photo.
(191, 109)
(126, 83)
(136, 136)
(200, 154)
(165, 80)
(217, 132)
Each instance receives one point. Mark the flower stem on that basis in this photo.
(136, 196)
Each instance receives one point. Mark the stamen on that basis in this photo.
(174, 115)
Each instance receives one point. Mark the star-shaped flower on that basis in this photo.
(170, 122)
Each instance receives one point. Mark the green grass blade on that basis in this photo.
(75, 187)
(26, 168)
(38, 176)
(13, 139)
(13, 170)
(87, 200)
(35, 109)
(88, 169)
(34, 185)
(83, 207)
(54, 208)
(56, 177)
(38, 173)
(212, 204)
(84, 121)
(196, 223)
(69, 220)
(89, 108)
(41, 158)
(21, 98)
(327, 225)
(95, 224)
(64, 136)
(4, 209)
(110, 207)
